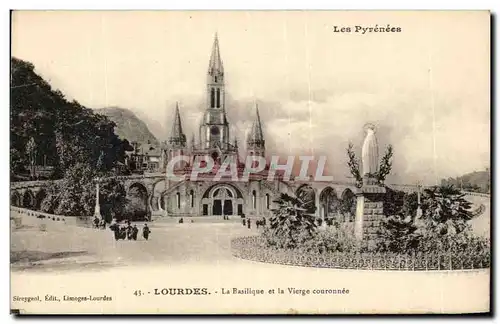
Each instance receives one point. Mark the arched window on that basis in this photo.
(178, 196)
(254, 199)
(218, 98)
(191, 194)
(215, 79)
(268, 202)
(212, 98)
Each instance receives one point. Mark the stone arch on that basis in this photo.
(141, 186)
(137, 194)
(15, 199)
(328, 203)
(157, 194)
(39, 197)
(28, 200)
(347, 207)
(307, 194)
(222, 199)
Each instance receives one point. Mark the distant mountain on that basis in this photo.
(128, 125)
(478, 181)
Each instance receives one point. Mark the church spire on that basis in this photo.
(177, 137)
(255, 139)
(215, 64)
(256, 134)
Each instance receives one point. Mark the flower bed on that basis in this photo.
(254, 248)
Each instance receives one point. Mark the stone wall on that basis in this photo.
(19, 213)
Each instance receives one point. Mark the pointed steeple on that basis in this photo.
(215, 64)
(177, 137)
(256, 135)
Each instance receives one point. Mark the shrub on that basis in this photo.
(292, 224)
(332, 239)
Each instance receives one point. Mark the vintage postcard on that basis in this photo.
(250, 162)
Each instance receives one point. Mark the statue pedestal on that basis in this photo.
(369, 212)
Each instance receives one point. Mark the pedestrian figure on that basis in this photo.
(134, 232)
(96, 222)
(244, 223)
(145, 232)
(116, 230)
(103, 224)
(181, 220)
(129, 232)
(249, 225)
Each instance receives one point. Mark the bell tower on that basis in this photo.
(214, 129)
(177, 139)
(256, 145)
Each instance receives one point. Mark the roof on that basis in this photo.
(215, 64)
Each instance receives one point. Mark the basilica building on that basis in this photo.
(205, 196)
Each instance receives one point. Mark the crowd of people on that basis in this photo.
(248, 222)
(99, 223)
(125, 231)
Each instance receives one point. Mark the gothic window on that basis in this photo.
(178, 197)
(218, 98)
(191, 194)
(212, 98)
(254, 199)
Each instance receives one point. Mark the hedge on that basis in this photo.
(254, 248)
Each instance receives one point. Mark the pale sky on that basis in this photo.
(426, 88)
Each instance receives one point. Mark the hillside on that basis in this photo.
(49, 130)
(128, 125)
(478, 181)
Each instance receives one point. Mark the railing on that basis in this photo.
(31, 184)
(252, 248)
(478, 194)
(68, 220)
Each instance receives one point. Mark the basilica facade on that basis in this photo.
(204, 196)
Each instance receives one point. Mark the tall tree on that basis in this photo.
(445, 209)
(65, 132)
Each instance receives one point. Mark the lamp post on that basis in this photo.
(97, 208)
